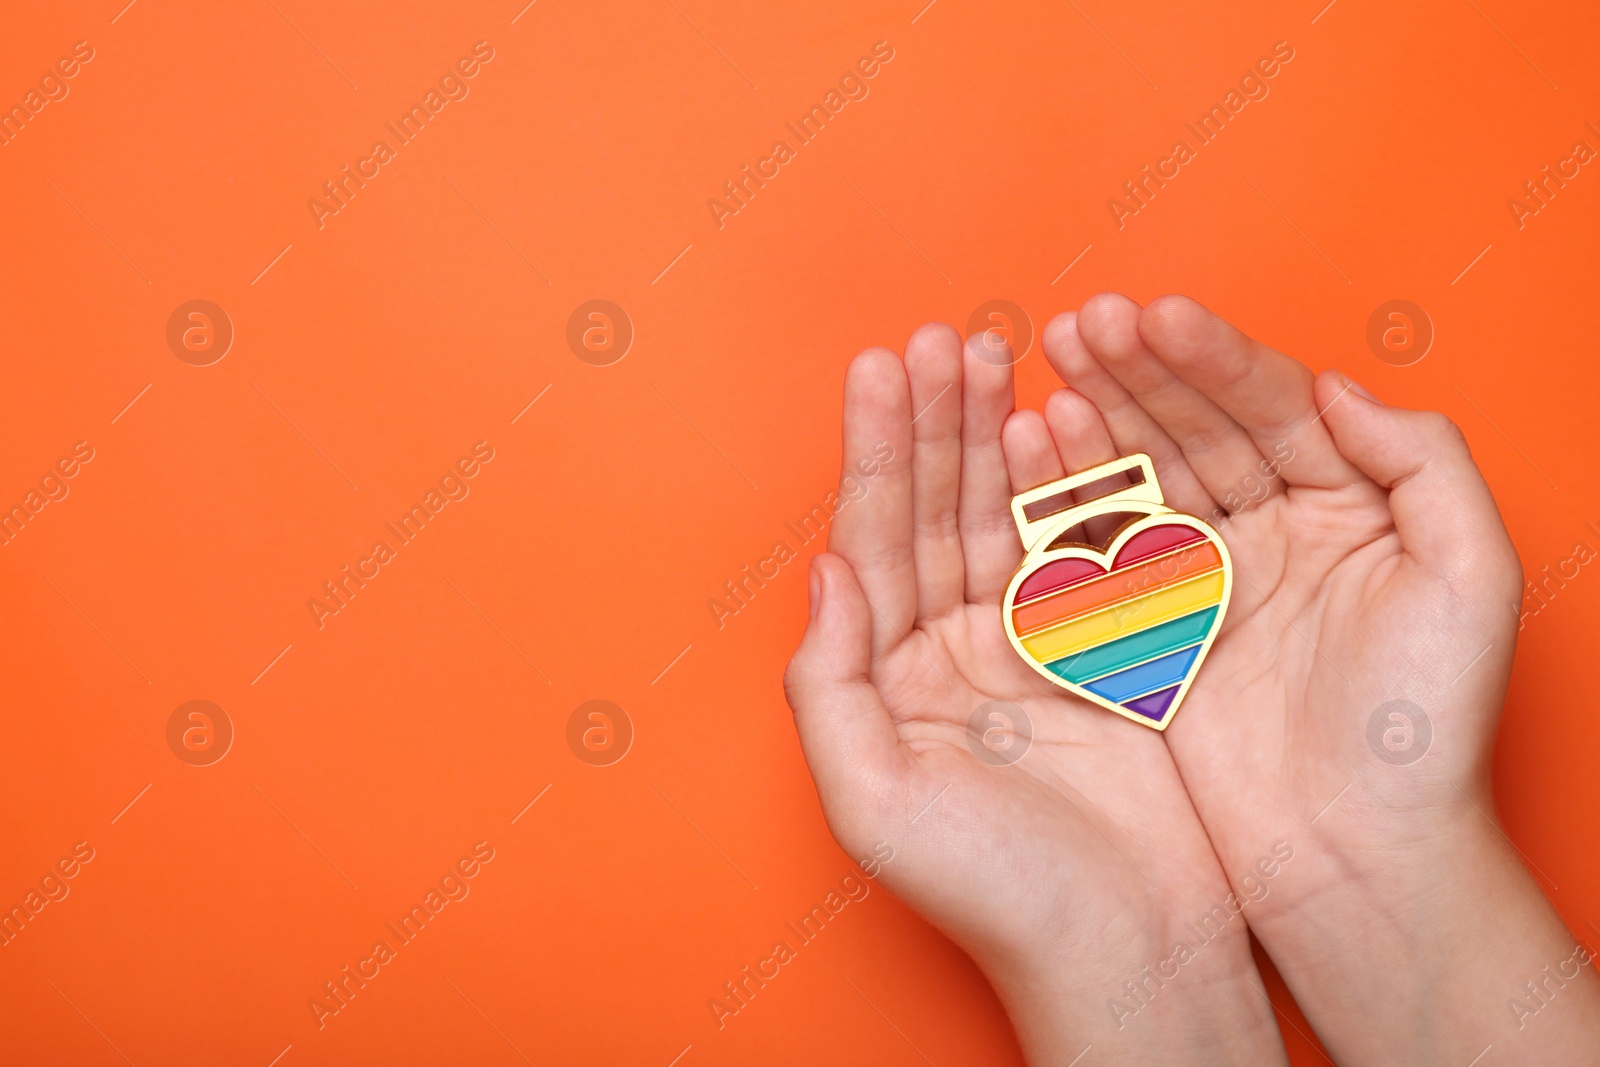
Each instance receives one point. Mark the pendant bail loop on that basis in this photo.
(1039, 511)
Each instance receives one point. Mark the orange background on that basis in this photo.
(432, 309)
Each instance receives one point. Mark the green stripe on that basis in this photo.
(1125, 652)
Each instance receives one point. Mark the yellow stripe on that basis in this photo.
(1128, 617)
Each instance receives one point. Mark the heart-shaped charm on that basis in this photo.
(1126, 627)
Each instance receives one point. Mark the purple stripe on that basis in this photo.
(1153, 705)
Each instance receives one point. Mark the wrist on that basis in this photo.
(1407, 934)
(1185, 993)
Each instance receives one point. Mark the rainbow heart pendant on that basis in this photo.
(1126, 627)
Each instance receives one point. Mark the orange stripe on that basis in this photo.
(1116, 587)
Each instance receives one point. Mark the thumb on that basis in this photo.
(845, 731)
(1443, 510)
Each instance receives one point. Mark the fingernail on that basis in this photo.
(816, 587)
(1359, 390)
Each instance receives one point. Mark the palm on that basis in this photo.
(1087, 809)
(1324, 630)
(1089, 829)
(1360, 579)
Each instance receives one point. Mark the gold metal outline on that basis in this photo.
(1043, 530)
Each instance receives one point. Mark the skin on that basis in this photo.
(1370, 566)
(1373, 567)
(1063, 873)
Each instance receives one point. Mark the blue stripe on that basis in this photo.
(1146, 677)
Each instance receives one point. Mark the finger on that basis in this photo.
(1132, 429)
(1031, 456)
(1082, 441)
(1443, 511)
(1079, 431)
(1266, 392)
(989, 542)
(1222, 455)
(873, 531)
(933, 364)
(846, 733)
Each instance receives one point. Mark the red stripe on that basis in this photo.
(1059, 574)
(1130, 584)
(1056, 575)
(1154, 541)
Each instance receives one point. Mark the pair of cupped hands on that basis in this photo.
(1108, 880)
